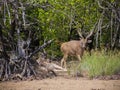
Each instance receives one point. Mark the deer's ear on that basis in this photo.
(89, 41)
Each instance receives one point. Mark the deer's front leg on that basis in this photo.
(62, 62)
(79, 57)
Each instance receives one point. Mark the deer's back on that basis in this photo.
(71, 47)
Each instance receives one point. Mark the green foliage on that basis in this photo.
(55, 17)
(101, 64)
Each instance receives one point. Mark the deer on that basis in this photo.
(74, 48)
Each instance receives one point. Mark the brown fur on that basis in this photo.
(74, 47)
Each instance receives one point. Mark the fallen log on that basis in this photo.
(48, 66)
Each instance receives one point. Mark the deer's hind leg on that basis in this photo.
(79, 57)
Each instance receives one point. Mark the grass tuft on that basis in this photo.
(100, 64)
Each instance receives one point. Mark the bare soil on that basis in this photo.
(62, 83)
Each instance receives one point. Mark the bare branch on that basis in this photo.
(9, 15)
(99, 4)
(40, 48)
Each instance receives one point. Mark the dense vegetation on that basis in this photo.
(37, 21)
(61, 19)
(101, 64)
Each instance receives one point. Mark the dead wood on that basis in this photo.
(18, 61)
(47, 66)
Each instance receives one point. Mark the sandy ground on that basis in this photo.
(62, 83)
